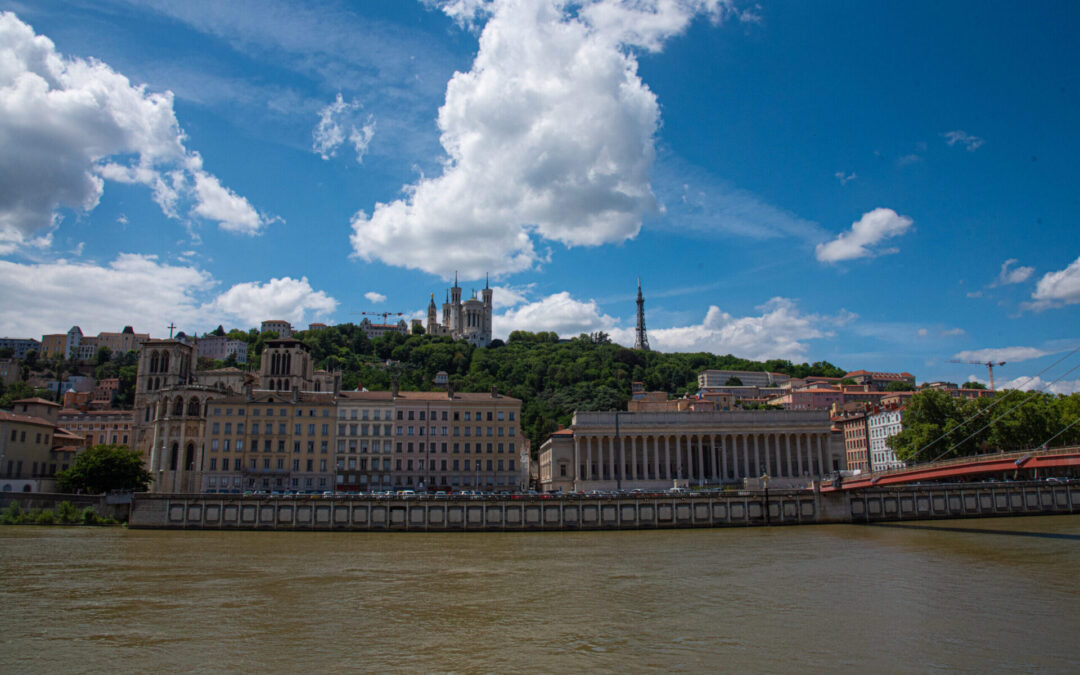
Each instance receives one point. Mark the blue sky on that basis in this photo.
(885, 186)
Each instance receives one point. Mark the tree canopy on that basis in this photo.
(552, 377)
(103, 468)
(936, 424)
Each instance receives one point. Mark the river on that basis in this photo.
(974, 595)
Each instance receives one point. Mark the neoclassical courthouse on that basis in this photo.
(656, 450)
(469, 320)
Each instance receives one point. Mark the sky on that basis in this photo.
(884, 186)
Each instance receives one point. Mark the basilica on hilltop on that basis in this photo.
(469, 320)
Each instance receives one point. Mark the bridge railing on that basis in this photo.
(975, 459)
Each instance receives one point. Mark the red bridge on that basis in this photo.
(962, 468)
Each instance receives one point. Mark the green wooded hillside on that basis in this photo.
(552, 378)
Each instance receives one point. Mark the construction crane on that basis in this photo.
(989, 366)
(384, 315)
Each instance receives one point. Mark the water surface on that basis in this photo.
(966, 595)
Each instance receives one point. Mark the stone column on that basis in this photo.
(611, 459)
(577, 460)
(701, 463)
(667, 457)
(633, 458)
(757, 457)
(768, 456)
(798, 458)
(820, 456)
(745, 455)
(723, 457)
(655, 456)
(715, 459)
(588, 462)
(678, 457)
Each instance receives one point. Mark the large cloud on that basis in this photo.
(1036, 383)
(561, 313)
(1006, 354)
(550, 135)
(285, 298)
(68, 124)
(865, 232)
(1058, 288)
(142, 291)
(779, 332)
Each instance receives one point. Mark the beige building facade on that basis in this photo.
(33, 448)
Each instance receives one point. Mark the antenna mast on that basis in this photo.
(641, 339)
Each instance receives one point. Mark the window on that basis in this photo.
(296, 428)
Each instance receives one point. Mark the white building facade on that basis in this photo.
(880, 426)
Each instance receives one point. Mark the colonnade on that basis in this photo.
(707, 458)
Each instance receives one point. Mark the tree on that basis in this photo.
(104, 355)
(974, 385)
(733, 382)
(6, 352)
(899, 386)
(847, 380)
(103, 468)
(219, 331)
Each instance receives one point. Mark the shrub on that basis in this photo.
(89, 516)
(67, 513)
(12, 514)
(45, 517)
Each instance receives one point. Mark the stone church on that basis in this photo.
(469, 320)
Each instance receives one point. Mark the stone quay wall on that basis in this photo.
(223, 512)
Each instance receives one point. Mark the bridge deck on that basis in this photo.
(963, 467)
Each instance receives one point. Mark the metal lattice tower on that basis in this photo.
(641, 339)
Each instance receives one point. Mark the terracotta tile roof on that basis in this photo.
(24, 419)
(38, 401)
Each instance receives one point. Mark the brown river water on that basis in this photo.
(975, 595)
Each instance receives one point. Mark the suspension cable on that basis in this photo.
(1030, 395)
(990, 407)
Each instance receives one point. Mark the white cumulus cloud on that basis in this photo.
(285, 298)
(1012, 275)
(550, 135)
(964, 139)
(872, 228)
(1034, 383)
(69, 124)
(781, 331)
(559, 312)
(142, 291)
(339, 121)
(1001, 354)
(372, 296)
(1057, 289)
